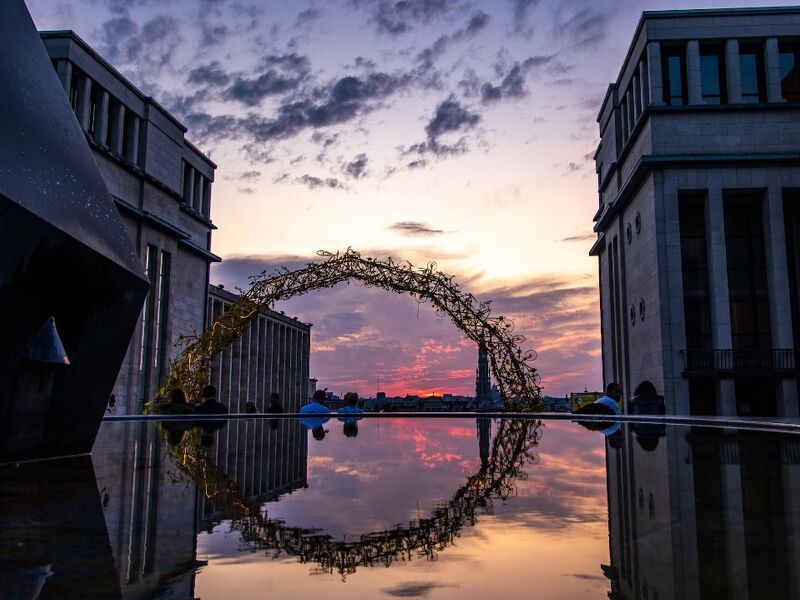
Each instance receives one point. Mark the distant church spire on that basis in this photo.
(483, 388)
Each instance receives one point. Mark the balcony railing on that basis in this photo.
(730, 361)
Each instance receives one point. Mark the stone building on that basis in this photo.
(272, 355)
(698, 170)
(161, 185)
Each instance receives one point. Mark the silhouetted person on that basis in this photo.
(211, 406)
(274, 406)
(646, 401)
(352, 411)
(250, 408)
(176, 403)
(316, 407)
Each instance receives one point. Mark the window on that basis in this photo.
(161, 314)
(145, 357)
(751, 70)
(694, 267)
(94, 103)
(747, 273)
(674, 73)
(789, 58)
(712, 74)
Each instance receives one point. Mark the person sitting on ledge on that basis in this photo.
(176, 403)
(352, 411)
(316, 407)
(250, 408)
(612, 398)
(210, 404)
(274, 405)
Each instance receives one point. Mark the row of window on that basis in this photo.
(714, 73)
(155, 316)
(196, 190)
(101, 124)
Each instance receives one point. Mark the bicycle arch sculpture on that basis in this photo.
(517, 379)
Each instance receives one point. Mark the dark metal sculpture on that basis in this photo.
(64, 254)
(511, 364)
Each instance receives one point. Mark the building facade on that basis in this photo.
(161, 185)
(699, 171)
(272, 355)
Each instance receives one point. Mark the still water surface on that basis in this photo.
(408, 508)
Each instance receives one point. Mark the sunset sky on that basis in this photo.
(449, 130)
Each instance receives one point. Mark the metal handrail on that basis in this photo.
(715, 361)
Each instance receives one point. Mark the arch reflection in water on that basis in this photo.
(500, 466)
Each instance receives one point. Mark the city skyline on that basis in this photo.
(313, 111)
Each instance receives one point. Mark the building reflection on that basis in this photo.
(704, 513)
(265, 458)
(149, 514)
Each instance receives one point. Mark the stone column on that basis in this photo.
(132, 140)
(101, 119)
(64, 70)
(654, 79)
(84, 105)
(197, 197)
(637, 96)
(631, 104)
(772, 56)
(733, 519)
(780, 310)
(733, 72)
(695, 89)
(207, 199)
(117, 125)
(642, 85)
(718, 288)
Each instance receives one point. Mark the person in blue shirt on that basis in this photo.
(351, 409)
(612, 398)
(316, 407)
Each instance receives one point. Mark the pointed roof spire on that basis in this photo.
(46, 345)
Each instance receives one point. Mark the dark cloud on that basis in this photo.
(245, 190)
(213, 33)
(582, 237)
(585, 28)
(211, 75)
(307, 16)
(314, 183)
(413, 589)
(513, 84)
(357, 167)
(521, 12)
(449, 117)
(428, 56)
(250, 175)
(414, 229)
(282, 73)
(417, 164)
(396, 17)
(572, 167)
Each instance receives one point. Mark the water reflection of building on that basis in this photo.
(150, 518)
(270, 356)
(705, 514)
(161, 185)
(264, 458)
(699, 211)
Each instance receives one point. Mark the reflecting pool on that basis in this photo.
(410, 508)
